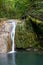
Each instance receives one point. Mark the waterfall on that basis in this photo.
(13, 23)
(13, 35)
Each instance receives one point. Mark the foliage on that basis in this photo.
(13, 8)
(18, 8)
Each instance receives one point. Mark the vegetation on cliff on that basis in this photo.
(25, 36)
(29, 33)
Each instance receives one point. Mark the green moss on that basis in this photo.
(25, 36)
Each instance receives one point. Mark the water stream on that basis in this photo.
(13, 23)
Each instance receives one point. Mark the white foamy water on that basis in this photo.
(13, 22)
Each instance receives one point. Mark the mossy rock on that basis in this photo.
(25, 36)
(38, 28)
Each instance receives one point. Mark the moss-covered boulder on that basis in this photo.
(25, 36)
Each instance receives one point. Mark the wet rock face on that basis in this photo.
(2, 44)
(5, 40)
(5, 46)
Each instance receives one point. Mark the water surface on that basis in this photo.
(21, 58)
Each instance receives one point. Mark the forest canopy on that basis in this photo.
(13, 8)
(17, 8)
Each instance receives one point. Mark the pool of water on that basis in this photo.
(21, 58)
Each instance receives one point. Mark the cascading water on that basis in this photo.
(13, 23)
(13, 35)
